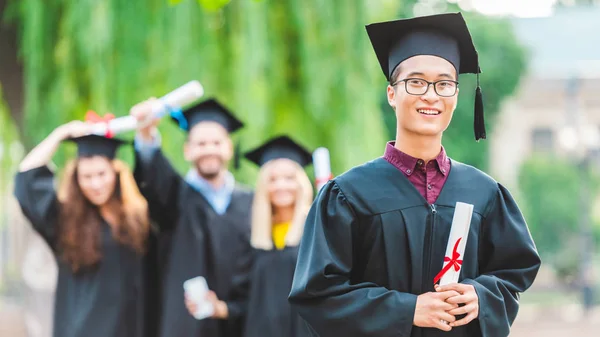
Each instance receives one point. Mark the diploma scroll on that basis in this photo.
(196, 290)
(322, 167)
(182, 96)
(457, 241)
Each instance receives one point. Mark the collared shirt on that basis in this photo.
(428, 178)
(219, 198)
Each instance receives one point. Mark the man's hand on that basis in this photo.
(220, 308)
(143, 113)
(432, 310)
(190, 305)
(467, 296)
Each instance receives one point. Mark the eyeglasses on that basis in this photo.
(419, 86)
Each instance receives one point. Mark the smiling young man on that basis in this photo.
(376, 236)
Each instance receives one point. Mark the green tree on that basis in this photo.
(503, 62)
(550, 195)
(298, 66)
(302, 67)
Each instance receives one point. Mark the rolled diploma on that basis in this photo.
(196, 290)
(184, 95)
(461, 223)
(322, 167)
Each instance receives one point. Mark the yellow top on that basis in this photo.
(279, 232)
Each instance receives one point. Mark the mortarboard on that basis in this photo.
(94, 145)
(443, 35)
(280, 147)
(209, 110)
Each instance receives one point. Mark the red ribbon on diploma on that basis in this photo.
(93, 117)
(454, 261)
(323, 180)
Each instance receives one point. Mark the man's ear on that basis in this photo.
(391, 96)
(230, 149)
(186, 151)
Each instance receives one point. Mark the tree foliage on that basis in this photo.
(303, 67)
(550, 189)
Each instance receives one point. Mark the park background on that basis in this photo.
(306, 68)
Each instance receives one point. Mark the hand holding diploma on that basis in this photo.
(142, 112)
(201, 302)
(467, 296)
(449, 275)
(432, 310)
(146, 113)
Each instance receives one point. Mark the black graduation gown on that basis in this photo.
(372, 243)
(269, 312)
(109, 299)
(196, 241)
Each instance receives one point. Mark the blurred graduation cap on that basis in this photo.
(280, 147)
(443, 35)
(94, 145)
(208, 110)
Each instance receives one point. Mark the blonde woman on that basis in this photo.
(282, 198)
(97, 227)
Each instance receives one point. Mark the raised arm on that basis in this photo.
(42, 154)
(158, 181)
(34, 184)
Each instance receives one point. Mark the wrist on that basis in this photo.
(222, 310)
(59, 134)
(148, 135)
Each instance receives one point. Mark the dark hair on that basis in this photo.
(80, 221)
(395, 75)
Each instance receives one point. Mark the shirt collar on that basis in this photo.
(202, 185)
(407, 163)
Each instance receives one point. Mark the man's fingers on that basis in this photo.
(442, 325)
(454, 286)
(459, 287)
(448, 306)
(463, 310)
(210, 295)
(447, 294)
(447, 317)
(466, 320)
(460, 299)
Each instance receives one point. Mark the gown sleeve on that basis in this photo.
(159, 183)
(238, 301)
(509, 263)
(322, 290)
(35, 192)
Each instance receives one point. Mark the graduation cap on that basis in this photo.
(93, 145)
(280, 147)
(209, 110)
(442, 35)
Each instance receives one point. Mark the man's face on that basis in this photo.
(209, 148)
(428, 114)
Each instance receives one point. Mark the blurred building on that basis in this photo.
(562, 87)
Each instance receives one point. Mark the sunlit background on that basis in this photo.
(305, 67)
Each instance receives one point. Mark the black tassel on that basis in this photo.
(479, 123)
(236, 156)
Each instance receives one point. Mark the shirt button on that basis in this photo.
(408, 171)
(419, 162)
(429, 187)
(443, 170)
